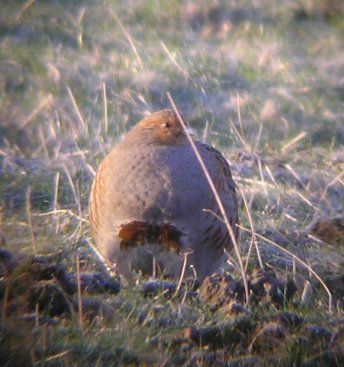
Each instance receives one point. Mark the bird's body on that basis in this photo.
(151, 199)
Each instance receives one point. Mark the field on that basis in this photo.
(263, 82)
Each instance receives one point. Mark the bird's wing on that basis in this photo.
(97, 197)
(225, 186)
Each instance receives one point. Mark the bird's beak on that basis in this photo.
(192, 132)
(187, 131)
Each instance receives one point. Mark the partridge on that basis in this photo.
(151, 203)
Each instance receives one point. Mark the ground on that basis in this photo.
(262, 81)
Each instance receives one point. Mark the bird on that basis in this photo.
(151, 208)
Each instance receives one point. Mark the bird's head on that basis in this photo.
(163, 128)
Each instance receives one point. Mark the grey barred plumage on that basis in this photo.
(150, 199)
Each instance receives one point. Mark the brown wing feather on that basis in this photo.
(96, 199)
(225, 186)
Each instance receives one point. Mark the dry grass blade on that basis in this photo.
(79, 26)
(239, 115)
(79, 291)
(240, 137)
(154, 265)
(44, 142)
(29, 218)
(268, 170)
(292, 142)
(337, 178)
(37, 315)
(301, 262)
(55, 207)
(205, 131)
(292, 171)
(79, 208)
(91, 169)
(253, 237)
(318, 240)
(44, 103)
(56, 356)
(106, 122)
(291, 218)
(101, 261)
(70, 181)
(77, 110)
(259, 135)
(307, 201)
(307, 294)
(262, 177)
(129, 38)
(216, 195)
(182, 274)
(254, 182)
(62, 211)
(173, 60)
(23, 9)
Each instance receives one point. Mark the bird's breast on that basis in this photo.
(158, 183)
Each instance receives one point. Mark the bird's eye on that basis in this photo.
(166, 124)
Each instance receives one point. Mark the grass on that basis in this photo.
(75, 76)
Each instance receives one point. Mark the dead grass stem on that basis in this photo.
(173, 60)
(29, 218)
(301, 262)
(77, 110)
(129, 38)
(79, 291)
(253, 237)
(105, 103)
